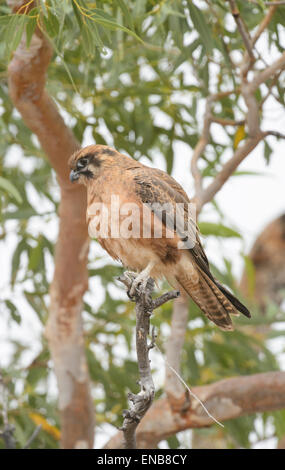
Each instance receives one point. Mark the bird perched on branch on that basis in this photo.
(142, 217)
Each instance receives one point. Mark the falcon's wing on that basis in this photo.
(179, 195)
(155, 186)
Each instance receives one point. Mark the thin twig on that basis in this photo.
(33, 436)
(141, 402)
(264, 23)
(228, 122)
(277, 134)
(267, 4)
(264, 75)
(228, 169)
(189, 390)
(203, 141)
(270, 88)
(242, 28)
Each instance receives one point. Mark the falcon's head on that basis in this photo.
(86, 164)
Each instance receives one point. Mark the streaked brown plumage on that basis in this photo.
(106, 172)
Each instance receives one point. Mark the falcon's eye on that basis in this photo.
(82, 163)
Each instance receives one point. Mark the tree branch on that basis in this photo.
(200, 147)
(267, 73)
(140, 403)
(174, 389)
(229, 167)
(264, 23)
(203, 142)
(242, 29)
(226, 399)
(227, 122)
(33, 436)
(27, 76)
(277, 134)
(277, 3)
(247, 90)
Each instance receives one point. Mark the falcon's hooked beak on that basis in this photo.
(74, 176)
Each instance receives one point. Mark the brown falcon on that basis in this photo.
(175, 253)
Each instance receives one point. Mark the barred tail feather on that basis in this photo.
(237, 304)
(209, 298)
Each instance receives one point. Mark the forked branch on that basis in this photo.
(141, 402)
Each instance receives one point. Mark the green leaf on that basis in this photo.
(219, 230)
(51, 24)
(13, 311)
(125, 9)
(250, 173)
(8, 187)
(20, 248)
(14, 31)
(21, 214)
(99, 16)
(267, 152)
(201, 26)
(173, 442)
(35, 256)
(279, 422)
(30, 29)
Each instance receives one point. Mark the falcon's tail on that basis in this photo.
(213, 299)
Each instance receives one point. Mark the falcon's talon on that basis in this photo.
(139, 283)
(135, 288)
(138, 286)
(131, 297)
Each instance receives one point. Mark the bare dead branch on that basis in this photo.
(165, 298)
(27, 76)
(227, 399)
(141, 402)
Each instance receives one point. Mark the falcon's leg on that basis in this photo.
(141, 278)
